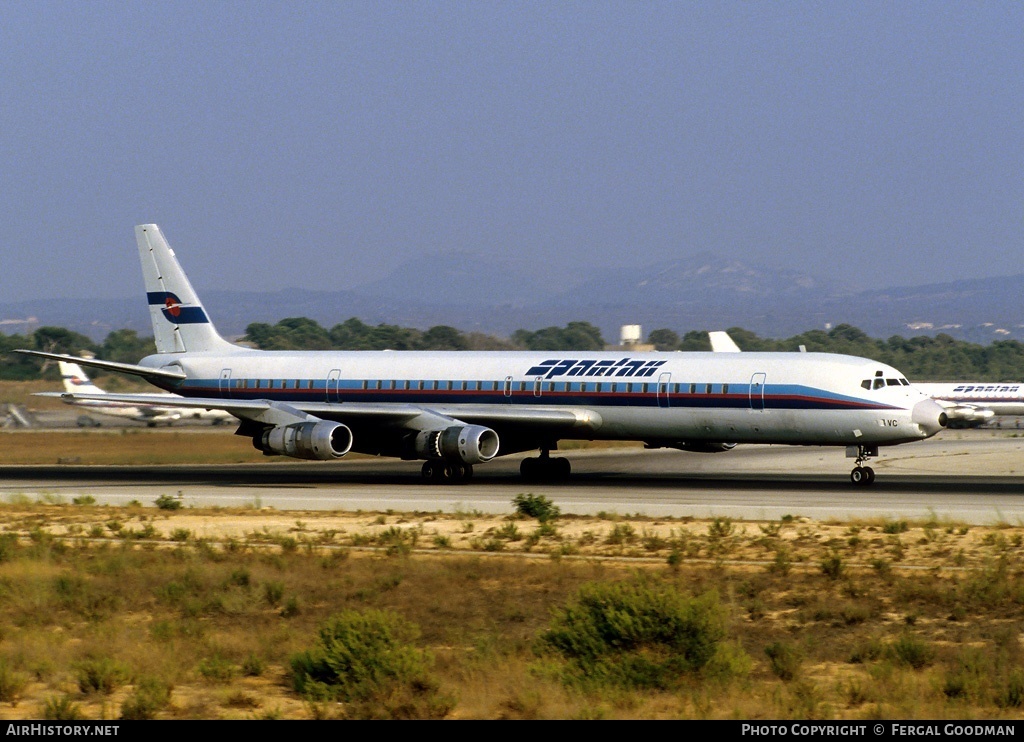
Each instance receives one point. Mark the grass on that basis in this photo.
(138, 446)
(95, 623)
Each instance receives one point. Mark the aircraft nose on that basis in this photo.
(929, 416)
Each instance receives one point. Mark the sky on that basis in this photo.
(321, 144)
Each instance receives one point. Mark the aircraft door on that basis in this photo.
(508, 388)
(225, 382)
(757, 383)
(663, 387)
(333, 385)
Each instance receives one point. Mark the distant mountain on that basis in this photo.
(466, 279)
(699, 292)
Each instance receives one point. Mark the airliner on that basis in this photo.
(77, 382)
(970, 404)
(454, 410)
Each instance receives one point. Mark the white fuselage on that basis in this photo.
(799, 398)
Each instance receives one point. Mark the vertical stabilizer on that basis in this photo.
(180, 323)
(721, 342)
(75, 380)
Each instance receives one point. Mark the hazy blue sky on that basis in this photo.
(307, 144)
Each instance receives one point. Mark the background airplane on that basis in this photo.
(453, 410)
(968, 404)
(77, 382)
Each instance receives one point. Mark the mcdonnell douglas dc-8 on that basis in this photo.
(457, 409)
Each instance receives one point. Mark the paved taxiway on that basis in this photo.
(964, 476)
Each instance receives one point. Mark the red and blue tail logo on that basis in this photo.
(174, 311)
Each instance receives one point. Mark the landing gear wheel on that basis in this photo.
(862, 475)
(529, 468)
(561, 468)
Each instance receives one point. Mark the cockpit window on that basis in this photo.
(866, 383)
(879, 383)
(892, 382)
(904, 382)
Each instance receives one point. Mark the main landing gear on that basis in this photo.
(544, 468)
(864, 475)
(446, 472)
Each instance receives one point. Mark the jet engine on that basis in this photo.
(322, 440)
(968, 416)
(470, 444)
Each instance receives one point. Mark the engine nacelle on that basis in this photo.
(968, 416)
(321, 440)
(470, 444)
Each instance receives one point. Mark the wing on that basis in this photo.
(409, 417)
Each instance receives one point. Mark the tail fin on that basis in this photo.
(722, 343)
(179, 321)
(75, 379)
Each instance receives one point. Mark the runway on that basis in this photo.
(972, 477)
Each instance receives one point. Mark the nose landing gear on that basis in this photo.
(863, 475)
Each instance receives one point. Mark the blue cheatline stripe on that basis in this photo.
(782, 397)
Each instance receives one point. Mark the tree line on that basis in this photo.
(924, 358)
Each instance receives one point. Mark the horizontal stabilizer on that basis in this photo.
(125, 368)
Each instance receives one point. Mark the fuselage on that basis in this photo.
(797, 398)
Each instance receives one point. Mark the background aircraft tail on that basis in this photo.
(75, 379)
(180, 323)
